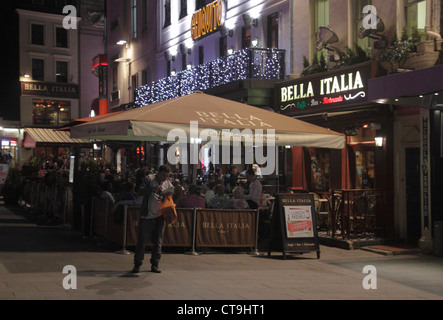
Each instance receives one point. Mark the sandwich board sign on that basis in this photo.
(294, 225)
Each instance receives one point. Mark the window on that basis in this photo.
(167, 13)
(134, 85)
(114, 76)
(223, 46)
(37, 34)
(415, 17)
(145, 14)
(183, 8)
(51, 113)
(134, 19)
(321, 19)
(61, 38)
(168, 68)
(61, 71)
(246, 37)
(38, 69)
(201, 55)
(273, 31)
(365, 44)
(184, 61)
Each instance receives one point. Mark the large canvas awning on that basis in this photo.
(156, 121)
(49, 137)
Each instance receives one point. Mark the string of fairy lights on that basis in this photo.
(245, 64)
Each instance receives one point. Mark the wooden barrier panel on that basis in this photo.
(180, 233)
(226, 228)
(100, 210)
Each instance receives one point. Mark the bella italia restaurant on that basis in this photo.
(361, 173)
(381, 182)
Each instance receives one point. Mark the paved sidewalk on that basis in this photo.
(32, 258)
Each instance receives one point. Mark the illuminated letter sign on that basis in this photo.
(346, 86)
(207, 20)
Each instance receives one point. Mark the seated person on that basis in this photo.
(193, 199)
(220, 197)
(127, 192)
(107, 192)
(210, 194)
(238, 202)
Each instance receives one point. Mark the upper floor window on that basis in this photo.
(183, 8)
(321, 19)
(37, 34)
(415, 17)
(61, 71)
(61, 38)
(134, 19)
(167, 13)
(38, 69)
(273, 31)
(365, 43)
(246, 37)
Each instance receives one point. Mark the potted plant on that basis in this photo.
(409, 53)
(397, 53)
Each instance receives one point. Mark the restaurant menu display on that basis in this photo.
(294, 225)
(298, 221)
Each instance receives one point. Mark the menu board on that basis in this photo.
(294, 227)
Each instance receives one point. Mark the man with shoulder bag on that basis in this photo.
(152, 224)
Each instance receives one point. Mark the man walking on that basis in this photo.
(152, 224)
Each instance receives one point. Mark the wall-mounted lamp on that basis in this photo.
(230, 51)
(378, 141)
(250, 21)
(254, 42)
(189, 66)
(379, 138)
(185, 48)
(173, 73)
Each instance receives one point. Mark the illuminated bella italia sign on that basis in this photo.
(341, 87)
(207, 20)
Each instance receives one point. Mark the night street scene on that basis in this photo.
(234, 158)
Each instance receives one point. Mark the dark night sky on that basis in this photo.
(9, 63)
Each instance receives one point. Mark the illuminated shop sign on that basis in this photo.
(46, 89)
(324, 90)
(207, 20)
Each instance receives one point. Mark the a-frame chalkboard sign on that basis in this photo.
(294, 225)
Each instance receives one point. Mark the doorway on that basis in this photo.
(413, 192)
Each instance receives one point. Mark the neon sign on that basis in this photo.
(207, 20)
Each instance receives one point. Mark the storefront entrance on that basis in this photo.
(413, 203)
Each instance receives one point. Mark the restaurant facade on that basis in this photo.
(391, 118)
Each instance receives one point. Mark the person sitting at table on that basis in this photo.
(255, 189)
(193, 199)
(220, 197)
(238, 201)
(107, 192)
(231, 178)
(210, 194)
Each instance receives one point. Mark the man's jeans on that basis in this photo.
(150, 229)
